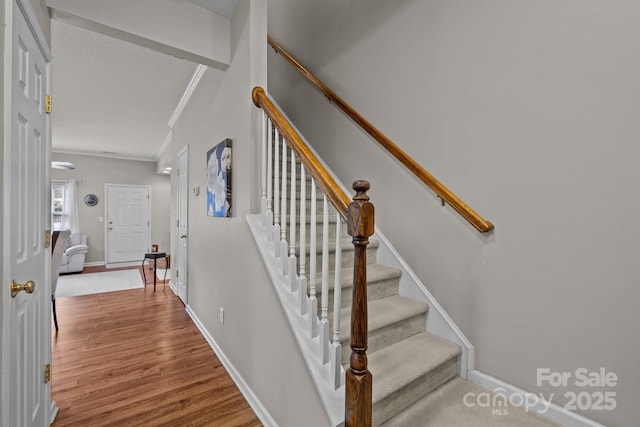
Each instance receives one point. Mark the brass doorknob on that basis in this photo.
(28, 287)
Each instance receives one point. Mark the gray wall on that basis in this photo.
(527, 110)
(92, 173)
(224, 267)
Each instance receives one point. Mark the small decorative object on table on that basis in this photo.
(154, 248)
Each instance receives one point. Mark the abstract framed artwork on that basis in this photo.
(219, 180)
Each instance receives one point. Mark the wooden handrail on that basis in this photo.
(334, 192)
(443, 192)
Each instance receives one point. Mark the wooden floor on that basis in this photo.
(135, 358)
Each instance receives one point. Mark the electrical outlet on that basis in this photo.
(221, 316)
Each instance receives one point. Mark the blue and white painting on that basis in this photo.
(219, 180)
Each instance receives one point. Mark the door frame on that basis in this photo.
(7, 111)
(106, 225)
(178, 262)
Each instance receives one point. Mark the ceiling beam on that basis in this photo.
(177, 28)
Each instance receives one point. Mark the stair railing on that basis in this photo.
(446, 195)
(282, 149)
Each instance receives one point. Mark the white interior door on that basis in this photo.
(128, 222)
(27, 216)
(182, 224)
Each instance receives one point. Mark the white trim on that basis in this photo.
(106, 155)
(97, 264)
(191, 87)
(554, 413)
(173, 287)
(123, 264)
(255, 403)
(53, 412)
(6, 217)
(34, 26)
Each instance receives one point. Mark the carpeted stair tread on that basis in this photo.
(445, 407)
(385, 312)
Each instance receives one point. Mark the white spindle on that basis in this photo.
(283, 211)
(269, 214)
(293, 277)
(324, 297)
(276, 197)
(263, 171)
(336, 347)
(313, 300)
(302, 253)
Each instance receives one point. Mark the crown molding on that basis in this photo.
(105, 155)
(191, 87)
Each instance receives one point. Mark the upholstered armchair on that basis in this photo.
(74, 253)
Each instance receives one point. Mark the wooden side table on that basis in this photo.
(154, 256)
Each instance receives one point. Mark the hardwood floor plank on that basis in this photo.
(135, 358)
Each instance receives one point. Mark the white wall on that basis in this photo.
(224, 267)
(527, 110)
(92, 173)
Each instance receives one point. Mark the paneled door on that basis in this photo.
(27, 216)
(128, 223)
(182, 224)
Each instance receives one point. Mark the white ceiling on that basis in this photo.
(114, 98)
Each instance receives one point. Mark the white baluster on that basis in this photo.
(293, 277)
(269, 214)
(263, 171)
(324, 297)
(336, 347)
(313, 300)
(283, 211)
(276, 198)
(302, 276)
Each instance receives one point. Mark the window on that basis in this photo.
(59, 204)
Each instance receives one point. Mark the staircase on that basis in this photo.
(415, 372)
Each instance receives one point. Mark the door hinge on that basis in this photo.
(47, 103)
(47, 238)
(47, 373)
(177, 273)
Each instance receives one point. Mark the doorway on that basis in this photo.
(182, 223)
(127, 223)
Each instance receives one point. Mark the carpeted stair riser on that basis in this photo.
(391, 320)
(347, 256)
(382, 281)
(393, 404)
(406, 371)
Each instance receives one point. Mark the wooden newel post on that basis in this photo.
(358, 385)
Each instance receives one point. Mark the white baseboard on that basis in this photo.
(124, 264)
(257, 406)
(53, 412)
(94, 264)
(174, 288)
(554, 412)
